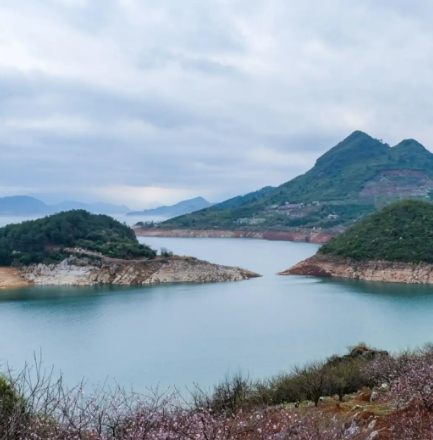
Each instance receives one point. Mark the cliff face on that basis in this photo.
(329, 266)
(309, 236)
(84, 272)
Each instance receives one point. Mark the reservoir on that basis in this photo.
(178, 335)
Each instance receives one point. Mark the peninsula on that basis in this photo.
(393, 245)
(79, 248)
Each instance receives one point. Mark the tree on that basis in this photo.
(344, 377)
(313, 380)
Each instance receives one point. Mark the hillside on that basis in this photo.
(181, 208)
(351, 180)
(43, 240)
(401, 232)
(243, 200)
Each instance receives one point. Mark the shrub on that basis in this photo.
(345, 378)
(312, 380)
(228, 397)
(166, 253)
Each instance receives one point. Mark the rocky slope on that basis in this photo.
(392, 272)
(84, 271)
(309, 236)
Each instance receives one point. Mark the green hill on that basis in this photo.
(352, 179)
(43, 240)
(402, 231)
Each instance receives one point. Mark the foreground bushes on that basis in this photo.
(51, 412)
(35, 406)
(337, 376)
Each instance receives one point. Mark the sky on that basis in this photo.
(151, 102)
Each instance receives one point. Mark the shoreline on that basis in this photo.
(328, 266)
(85, 271)
(301, 236)
(10, 278)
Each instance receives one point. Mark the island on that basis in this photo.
(80, 248)
(393, 245)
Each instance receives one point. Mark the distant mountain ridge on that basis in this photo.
(352, 179)
(181, 208)
(22, 205)
(95, 208)
(25, 205)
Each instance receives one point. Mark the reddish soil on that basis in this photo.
(10, 279)
(309, 236)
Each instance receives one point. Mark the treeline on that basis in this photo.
(44, 240)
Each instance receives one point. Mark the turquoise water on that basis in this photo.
(181, 334)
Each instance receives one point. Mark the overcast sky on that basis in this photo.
(153, 101)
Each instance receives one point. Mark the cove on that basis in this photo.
(181, 334)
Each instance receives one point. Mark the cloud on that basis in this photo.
(142, 196)
(142, 100)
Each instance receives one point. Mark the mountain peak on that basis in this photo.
(358, 134)
(199, 199)
(358, 147)
(410, 144)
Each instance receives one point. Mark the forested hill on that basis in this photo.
(402, 231)
(43, 240)
(352, 179)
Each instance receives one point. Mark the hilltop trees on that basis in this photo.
(44, 240)
(401, 232)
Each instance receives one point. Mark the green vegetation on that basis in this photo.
(243, 200)
(334, 186)
(12, 404)
(44, 240)
(402, 231)
(336, 376)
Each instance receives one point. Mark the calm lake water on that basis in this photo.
(181, 334)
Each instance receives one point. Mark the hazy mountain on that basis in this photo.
(181, 208)
(95, 208)
(22, 205)
(25, 205)
(352, 179)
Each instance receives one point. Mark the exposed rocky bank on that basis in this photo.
(84, 271)
(384, 271)
(309, 236)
